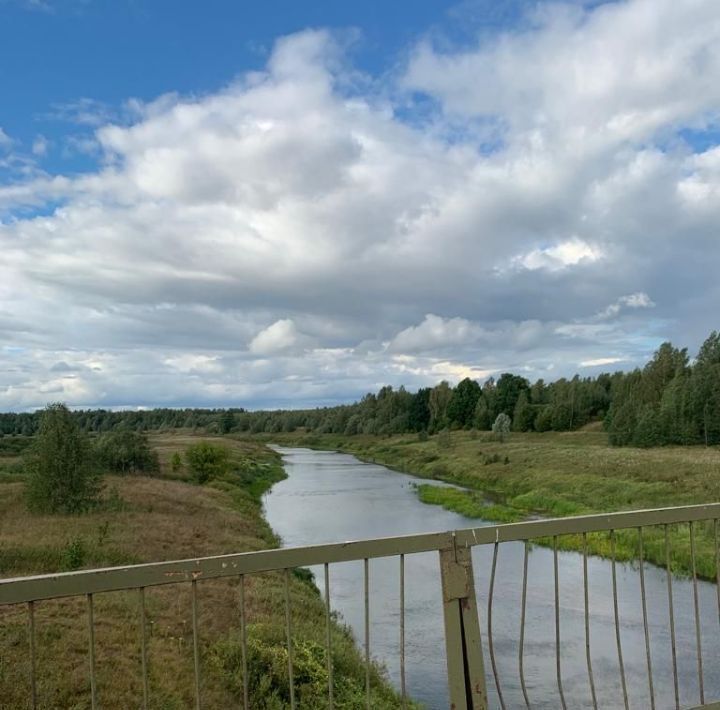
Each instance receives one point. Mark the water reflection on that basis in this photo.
(331, 497)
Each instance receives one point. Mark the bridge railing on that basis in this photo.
(471, 661)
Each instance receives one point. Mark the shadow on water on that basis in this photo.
(332, 497)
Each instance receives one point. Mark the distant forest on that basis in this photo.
(672, 400)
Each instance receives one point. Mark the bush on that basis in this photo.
(62, 474)
(206, 461)
(74, 554)
(444, 440)
(501, 427)
(126, 451)
(176, 462)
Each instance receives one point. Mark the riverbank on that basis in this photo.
(167, 517)
(553, 475)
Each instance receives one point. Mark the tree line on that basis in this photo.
(671, 400)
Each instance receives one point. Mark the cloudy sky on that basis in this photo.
(221, 204)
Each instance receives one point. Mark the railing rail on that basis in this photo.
(464, 648)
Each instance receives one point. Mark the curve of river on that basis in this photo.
(331, 497)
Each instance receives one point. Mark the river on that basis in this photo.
(332, 497)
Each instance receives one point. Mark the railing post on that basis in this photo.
(466, 671)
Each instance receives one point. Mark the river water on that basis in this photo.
(332, 497)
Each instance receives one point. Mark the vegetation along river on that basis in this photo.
(333, 497)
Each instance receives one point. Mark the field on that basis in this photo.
(152, 519)
(553, 474)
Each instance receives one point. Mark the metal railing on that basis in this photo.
(467, 679)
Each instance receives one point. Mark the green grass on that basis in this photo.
(554, 474)
(160, 518)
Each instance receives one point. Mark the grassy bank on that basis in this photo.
(167, 517)
(555, 474)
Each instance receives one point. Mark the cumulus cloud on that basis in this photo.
(558, 256)
(294, 238)
(434, 333)
(634, 300)
(276, 338)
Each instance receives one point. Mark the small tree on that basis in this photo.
(227, 422)
(176, 462)
(501, 426)
(206, 461)
(62, 475)
(127, 451)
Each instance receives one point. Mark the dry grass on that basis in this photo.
(156, 520)
(152, 519)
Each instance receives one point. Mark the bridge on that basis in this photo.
(472, 668)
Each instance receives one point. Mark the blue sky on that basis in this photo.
(290, 204)
(56, 52)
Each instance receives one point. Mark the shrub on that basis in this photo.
(127, 451)
(444, 440)
(206, 461)
(501, 427)
(62, 475)
(74, 554)
(176, 462)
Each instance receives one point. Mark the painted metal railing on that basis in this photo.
(467, 681)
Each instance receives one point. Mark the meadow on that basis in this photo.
(553, 474)
(158, 518)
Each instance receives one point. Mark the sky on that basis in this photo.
(290, 204)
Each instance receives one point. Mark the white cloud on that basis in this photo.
(281, 335)
(435, 332)
(5, 140)
(293, 238)
(40, 146)
(558, 256)
(632, 301)
(601, 361)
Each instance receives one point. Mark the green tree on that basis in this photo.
(508, 391)
(419, 412)
(622, 422)
(62, 474)
(648, 429)
(483, 414)
(543, 420)
(438, 401)
(704, 393)
(501, 426)
(524, 415)
(126, 451)
(227, 421)
(207, 461)
(461, 407)
(176, 462)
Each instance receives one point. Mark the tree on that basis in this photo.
(461, 407)
(419, 412)
(438, 401)
(126, 451)
(62, 475)
(648, 430)
(543, 420)
(508, 391)
(501, 426)
(176, 462)
(227, 422)
(206, 461)
(483, 415)
(621, 423)
(524, 415)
